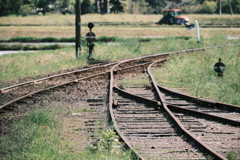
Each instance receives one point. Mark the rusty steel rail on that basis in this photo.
(32, 93)
(2, 90)
(110, 103)
(110, 98)
(111, 88)
(210, 103)
(177, 121)
(157, 104)
(74, 81)
(205, 115)
(49, 88)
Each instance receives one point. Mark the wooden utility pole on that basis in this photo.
(78, 28)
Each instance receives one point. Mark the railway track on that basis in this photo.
(148, 118)
(214, 124)
(136, 120)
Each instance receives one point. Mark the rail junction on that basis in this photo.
(154, 121)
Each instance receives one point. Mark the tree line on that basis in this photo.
(28, 7)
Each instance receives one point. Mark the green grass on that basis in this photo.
(31, 47)
(232, 156)
(14, 66)
(195, 71)
(40, 140)
(38, 136)
(137, 81)
(99, 39)
(35, 39)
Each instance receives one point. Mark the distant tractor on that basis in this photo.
(173, 16)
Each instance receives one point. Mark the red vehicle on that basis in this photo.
(173, 16)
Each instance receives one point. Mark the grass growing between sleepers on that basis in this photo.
(135, 81)
(194, 71)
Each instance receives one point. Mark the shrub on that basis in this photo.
(208, 7)
(67, 39)
(106, 140)
(23, 39)
(232, 156)
(25, 10)
(49, 39)
(190, 8)
(35, 39)
(30, 47)
(86, 7)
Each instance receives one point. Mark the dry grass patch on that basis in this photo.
(68, 32)
(57, 19)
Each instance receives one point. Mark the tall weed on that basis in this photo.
(32, 136)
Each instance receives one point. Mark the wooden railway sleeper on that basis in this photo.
(181, 127)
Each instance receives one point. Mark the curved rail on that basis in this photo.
(215, 104)
(112, 87)
(201, 101)
(74, 81)
(2, 90)
(49, 88)
(176, 120)
(110, 102)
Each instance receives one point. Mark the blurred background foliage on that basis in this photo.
(42, 7)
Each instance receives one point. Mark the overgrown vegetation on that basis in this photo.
(38, 136)
(35, 39)
(108, 145)
(40, 140)
(195, 73)
(19, 65)
(99, 39)
(208, 7)
(31, 47)
(138, 81)
(55, 39)
(14, 66)
(232, 156)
